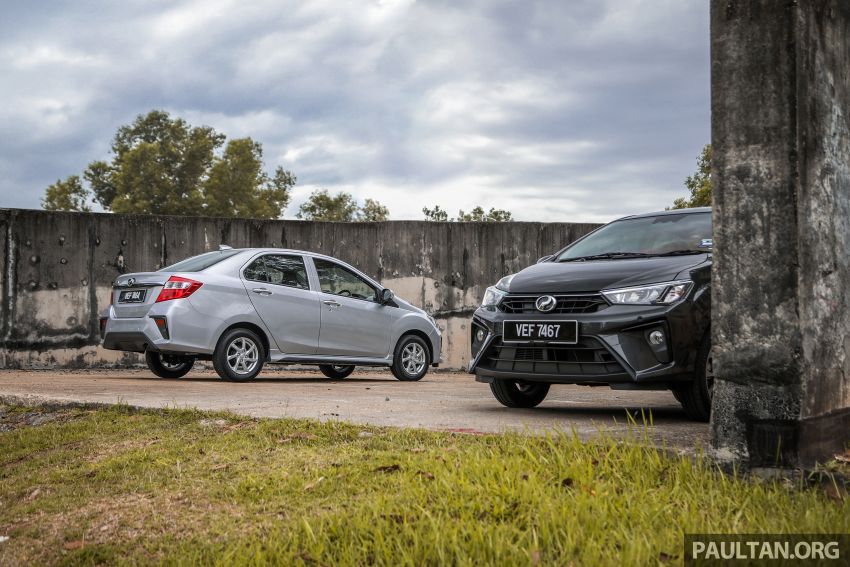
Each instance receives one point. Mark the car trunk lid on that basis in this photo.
(134, 294)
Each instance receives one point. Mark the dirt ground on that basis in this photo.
(442, 400)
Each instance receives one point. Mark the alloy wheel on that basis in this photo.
(413, 358)
(242, 355)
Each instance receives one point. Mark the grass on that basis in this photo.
(123, 486)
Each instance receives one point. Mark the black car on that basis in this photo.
(628, 306)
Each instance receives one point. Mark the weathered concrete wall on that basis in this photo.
(781, 168)
(58, 268)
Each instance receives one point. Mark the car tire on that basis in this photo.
(168, 365)
(411, 359)
(695, 396)
(336, 372)
(234, 344)
(519, 394)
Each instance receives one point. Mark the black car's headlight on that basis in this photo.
(664, 293)
(492, 297)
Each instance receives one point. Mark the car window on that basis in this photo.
(278, 269)
(201, 262)
(337, 280)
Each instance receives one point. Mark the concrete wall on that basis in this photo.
(58, 267)
(781, 168)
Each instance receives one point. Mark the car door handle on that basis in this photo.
(262, 291)
(330, 303)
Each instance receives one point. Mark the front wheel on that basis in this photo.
(239, 355)
(696, 396)
(168, 365)
(410, 360)
(519, 394)
(336, 372)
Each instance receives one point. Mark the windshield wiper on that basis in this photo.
(607, 256)
(683, 252)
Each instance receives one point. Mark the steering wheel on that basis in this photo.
(344, 293)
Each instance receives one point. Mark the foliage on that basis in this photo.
(373, 211)
(162, 165)
(124, 486)
(477, 214)
(435, 214)
(698, 184)
(342, 207)
(68, 195)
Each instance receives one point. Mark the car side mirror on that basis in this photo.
(544, 259)
(386, 295)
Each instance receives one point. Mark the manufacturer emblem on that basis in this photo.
(545, 303)
(131, 281)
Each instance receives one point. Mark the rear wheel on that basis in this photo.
(410, 360)
(239, 355)
(168, 365)
(336, 372)
(696, 396)
(519, 394)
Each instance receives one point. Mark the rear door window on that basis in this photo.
(279, 269)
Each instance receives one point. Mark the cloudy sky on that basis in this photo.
(557, 110)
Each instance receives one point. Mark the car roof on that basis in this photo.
(669, 212)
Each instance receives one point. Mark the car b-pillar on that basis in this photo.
(780, 81)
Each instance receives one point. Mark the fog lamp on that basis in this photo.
(479, 335)
(656, 338)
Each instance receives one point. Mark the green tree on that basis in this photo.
(238, 186)
(321, 206)
(478, 215)
(698, 184)
(373, 211)
(436, 214)
(162, 165)
(68, 195)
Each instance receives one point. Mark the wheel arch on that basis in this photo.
(251, 327)
(422, 335)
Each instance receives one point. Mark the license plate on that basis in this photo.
(132, 296)
(562, 332)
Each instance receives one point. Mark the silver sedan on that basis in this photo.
(242, 308)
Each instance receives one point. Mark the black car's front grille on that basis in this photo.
(587, 358)
(590, 303)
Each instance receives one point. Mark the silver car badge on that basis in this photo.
(131, 281)
(545, 303)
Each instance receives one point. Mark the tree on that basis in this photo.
(162, 165)
(699, 184)
(68, 195)
(321, 206)
(436, 214)
(238, 186)
(478, 215)
(373, 211)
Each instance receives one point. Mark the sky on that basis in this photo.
(580, 110)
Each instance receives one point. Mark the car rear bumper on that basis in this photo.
(613, 347)
(138, 334)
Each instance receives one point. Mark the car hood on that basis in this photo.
(596, 275)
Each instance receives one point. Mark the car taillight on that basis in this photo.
(177, 288)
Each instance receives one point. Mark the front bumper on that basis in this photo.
(613, 347)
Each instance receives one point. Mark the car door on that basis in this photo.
(353, 323)
(280, 292)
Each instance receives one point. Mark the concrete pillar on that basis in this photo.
(780, 80)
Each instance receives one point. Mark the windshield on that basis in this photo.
(202, 262)
(645, 236)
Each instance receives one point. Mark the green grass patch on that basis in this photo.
(186, 487)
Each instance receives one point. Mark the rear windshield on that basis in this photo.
(201, 262)
(662, 234)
